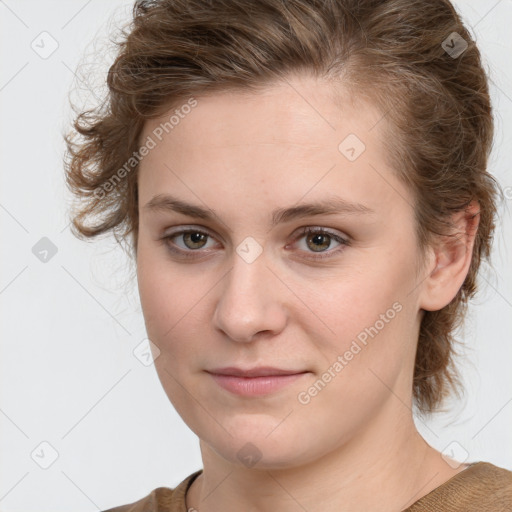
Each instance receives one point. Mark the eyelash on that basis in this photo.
(304, 232)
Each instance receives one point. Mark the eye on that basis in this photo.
(184, 242)
(318, 240)
(190, 242)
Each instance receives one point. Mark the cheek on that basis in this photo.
(162, 293)
(371, 334)
(173, 300)
(172, 324)
(352, 301)
(371, 316)
(371, 352)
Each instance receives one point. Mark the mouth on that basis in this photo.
(255, 381)
(260, 371)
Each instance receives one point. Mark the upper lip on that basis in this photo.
(261, 371)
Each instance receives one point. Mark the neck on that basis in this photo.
(385, 466)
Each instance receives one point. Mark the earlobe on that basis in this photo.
(451, 259)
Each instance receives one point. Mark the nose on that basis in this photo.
(251, 304)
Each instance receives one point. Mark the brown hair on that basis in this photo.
(393, 52)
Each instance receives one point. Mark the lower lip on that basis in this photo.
(255, 386)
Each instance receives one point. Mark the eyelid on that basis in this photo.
(176, 230)
(322, 230)
(301, 231)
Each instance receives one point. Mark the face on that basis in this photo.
(249, 278)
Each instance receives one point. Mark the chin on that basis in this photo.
(264, 443)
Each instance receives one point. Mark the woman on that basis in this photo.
(304, 188)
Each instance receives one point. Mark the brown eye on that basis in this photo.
(318, 242)
(188, 242)
(194, 239)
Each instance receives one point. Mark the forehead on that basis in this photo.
(277, 144)
(299, 110)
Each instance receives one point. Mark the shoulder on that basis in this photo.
(482, 486)
(161, 499)
(494, 485)
(157, 499)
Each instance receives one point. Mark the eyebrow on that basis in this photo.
(331, 206)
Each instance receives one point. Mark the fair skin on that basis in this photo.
(354, 445)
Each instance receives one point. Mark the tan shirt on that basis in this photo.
(482, 487)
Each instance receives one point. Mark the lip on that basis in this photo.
(256, 381)
(260, 371)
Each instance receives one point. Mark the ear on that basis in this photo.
(450, 260)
